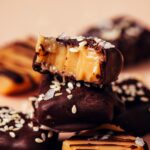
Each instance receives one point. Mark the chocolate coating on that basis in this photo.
(75, 109)
(136, 97)
(12, 75)
(91, 42)
(135, 120)
(128, 35)
(18, 132)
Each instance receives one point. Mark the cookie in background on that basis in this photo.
(16, 73)
(19, 132)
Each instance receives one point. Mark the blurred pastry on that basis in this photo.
(88, 59)
(18, 132)
(130, 36)
(16, 74)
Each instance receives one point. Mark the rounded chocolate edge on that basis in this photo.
(112, 66)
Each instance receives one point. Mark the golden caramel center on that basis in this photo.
(81, 62)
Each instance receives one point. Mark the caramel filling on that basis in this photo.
(81, 62)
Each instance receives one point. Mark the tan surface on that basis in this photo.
(52, 17)
(47, 17)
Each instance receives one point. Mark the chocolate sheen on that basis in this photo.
(81, 107)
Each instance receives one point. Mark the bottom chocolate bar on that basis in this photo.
(104, 140)
(79, 106)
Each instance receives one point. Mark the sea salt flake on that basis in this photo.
(49, 94)
(108, 45)
(82, 44)
(139, 141)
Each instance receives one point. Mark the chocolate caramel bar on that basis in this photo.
(88, 59)
(104, 141)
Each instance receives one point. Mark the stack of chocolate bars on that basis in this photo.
(76, 93)
(79, 93)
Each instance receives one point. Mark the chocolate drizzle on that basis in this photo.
(91, 42)
(16, 77)
(16, 65)
(24, 45)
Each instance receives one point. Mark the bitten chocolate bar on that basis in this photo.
(101, 140)
(88, 59)
(130, 36)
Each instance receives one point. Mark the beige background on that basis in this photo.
(52, 17)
